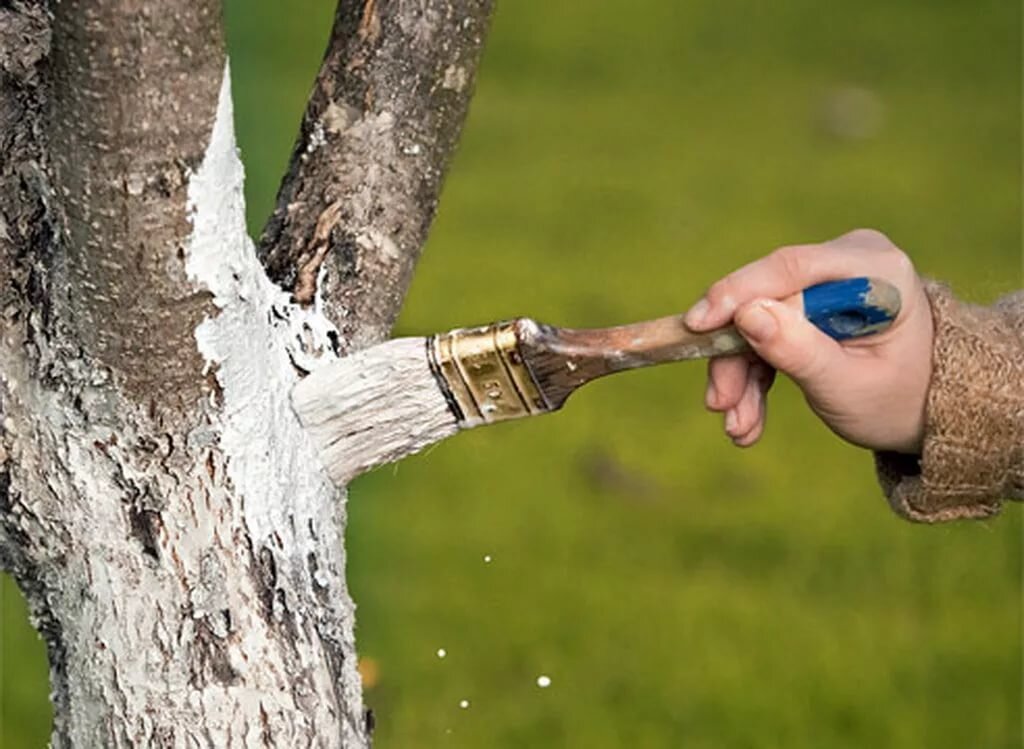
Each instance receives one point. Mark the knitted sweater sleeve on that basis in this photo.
(973, 453)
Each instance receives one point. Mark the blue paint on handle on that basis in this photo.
(844, 309)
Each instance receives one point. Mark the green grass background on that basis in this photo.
(679, 592)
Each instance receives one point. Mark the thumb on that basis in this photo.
(784, 338)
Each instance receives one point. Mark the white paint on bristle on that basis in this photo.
(373, 407)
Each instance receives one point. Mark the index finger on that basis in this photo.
(781, 274)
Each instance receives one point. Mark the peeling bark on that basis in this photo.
(180, 549)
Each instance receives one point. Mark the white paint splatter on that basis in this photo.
(316, 138)
(543, 681)
(464, 704)
(487, 558)
(441, 652)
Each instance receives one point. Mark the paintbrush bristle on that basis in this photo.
(373, 407)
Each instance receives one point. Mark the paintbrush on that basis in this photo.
(391, 400)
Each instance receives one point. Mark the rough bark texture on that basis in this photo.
(382, 122)
(180, 549)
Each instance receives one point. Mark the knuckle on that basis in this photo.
(721, 291)
(902, 263)
(794, 261)
(867, 238)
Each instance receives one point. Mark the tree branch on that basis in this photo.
(378, 134)
(135, 88)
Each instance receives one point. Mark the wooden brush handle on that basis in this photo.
(563, 359)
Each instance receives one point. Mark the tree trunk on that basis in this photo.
(180, 548)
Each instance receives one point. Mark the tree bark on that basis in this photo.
(180, 548)
(381, 125)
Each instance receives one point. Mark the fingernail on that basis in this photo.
(757, 323)
(697, 313)
(730, 420)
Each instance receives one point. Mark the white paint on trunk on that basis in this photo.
(183, 553)
(187, 570)
(251, 344)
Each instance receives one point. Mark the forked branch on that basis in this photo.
(382, 122)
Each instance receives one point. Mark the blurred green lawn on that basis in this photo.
(678, 592)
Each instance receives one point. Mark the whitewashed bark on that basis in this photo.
(208, 606)
(177, 541)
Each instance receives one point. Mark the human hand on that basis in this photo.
(870, 391)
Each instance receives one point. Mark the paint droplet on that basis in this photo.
(441, 652)
(464, 704)
(487, 558)
(543, 681)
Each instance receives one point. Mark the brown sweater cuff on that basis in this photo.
(973, 452)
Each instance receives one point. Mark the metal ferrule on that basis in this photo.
(484, 372)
